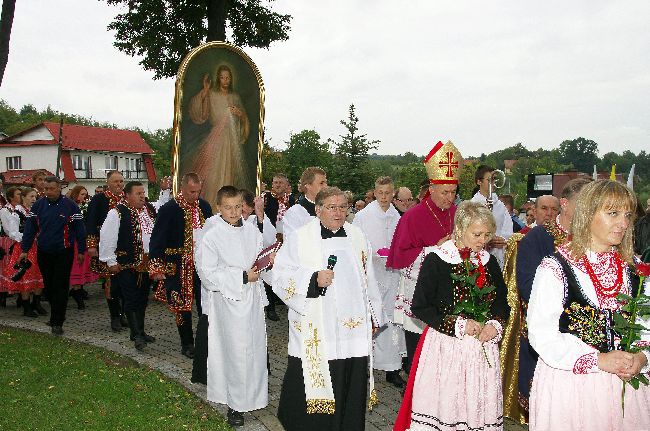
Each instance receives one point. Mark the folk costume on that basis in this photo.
(296, 216)
(509, 351)
(540, 242)
(171, 253)
(81, 274)
(502, 219)
(569, 322)
(98, 209)
(452, 386)
(330, 334)
(237, 356)
(13, 225)
(56, 226)
(421, 226)
(5, 243)
(124, 240)
(379, 226)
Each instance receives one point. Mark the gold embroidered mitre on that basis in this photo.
(443, 164)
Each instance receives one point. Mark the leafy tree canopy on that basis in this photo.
(162, 32)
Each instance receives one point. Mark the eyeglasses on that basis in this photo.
(405, 200)
(336, 207)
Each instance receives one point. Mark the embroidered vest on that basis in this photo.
(584, 319)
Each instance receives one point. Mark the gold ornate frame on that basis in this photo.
(178, 111)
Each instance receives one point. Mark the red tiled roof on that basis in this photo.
(21, 176)
(88, 138)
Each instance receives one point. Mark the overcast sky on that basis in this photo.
(484, 74)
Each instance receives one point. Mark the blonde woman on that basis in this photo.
(455, 381)
(580, 372)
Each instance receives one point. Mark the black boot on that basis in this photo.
(114, 309)
(3, 299)
(187, 339)
(136, 330)
(79, 299)
(36, 305)
(28, 311)
(148, 338)
(395, 379)
(123, 321)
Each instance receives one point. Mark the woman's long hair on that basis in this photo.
(596, 196)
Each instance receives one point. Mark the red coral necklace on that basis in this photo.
(601, 292)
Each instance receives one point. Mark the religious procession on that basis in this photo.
(471, 316)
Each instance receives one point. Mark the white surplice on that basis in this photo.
(503, 222)
(351, 304)
(237, 374)
(295, 218)
(379, 226)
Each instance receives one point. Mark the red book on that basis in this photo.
(263, 261)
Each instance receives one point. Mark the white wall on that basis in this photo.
(32, 157)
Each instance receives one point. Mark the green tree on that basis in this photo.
(305, 149)
(580, 152)
(351, 156)
(273, 162)
(411, 176)
(162, 32)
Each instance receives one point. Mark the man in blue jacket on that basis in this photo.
(56, 224)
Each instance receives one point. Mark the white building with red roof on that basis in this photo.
(84, 155)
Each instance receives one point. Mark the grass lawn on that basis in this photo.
(50, 383)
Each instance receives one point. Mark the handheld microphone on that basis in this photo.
(331, 262)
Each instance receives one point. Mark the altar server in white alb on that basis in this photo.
(312, 180)
(378, 221)
(324, 275)
(233, 298)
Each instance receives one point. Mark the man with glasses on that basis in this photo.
(403, 200)
(323, 275)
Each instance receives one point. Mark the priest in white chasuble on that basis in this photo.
(324, 275)
(378, 221)
(233, 297)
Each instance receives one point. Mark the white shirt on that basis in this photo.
(110, 230)
(10, 222)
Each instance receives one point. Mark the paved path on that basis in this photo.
(92, 326)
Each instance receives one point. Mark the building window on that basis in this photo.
(139, 165)
(111, 163)
(14, 162)
(77, 162)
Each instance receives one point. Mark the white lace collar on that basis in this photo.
(450, 254)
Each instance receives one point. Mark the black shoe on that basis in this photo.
(148, 338)
(84, 293)
(395, 379)
(28, 311)
(36, 305)
(116, 325)
(235, 418)
(188, 351)
(57, 330)
(78, 298)
(271, 314)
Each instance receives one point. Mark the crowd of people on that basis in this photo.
(485, 313)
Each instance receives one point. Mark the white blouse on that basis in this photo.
(562, 350)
